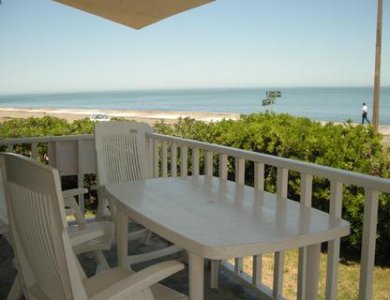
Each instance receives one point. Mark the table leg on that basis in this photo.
(196, 265)
(312, 271)
(121, 229)
(214, 272)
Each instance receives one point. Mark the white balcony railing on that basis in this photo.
(74, 155)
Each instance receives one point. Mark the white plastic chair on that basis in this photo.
(48, 268)
(122, 156)
(15, 292)
(94, 236)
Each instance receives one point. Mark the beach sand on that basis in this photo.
(150, 117)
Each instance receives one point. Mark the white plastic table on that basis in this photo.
(219, 219)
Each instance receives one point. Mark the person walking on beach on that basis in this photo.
(364, 113)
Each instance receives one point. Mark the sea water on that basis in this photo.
(325, 104)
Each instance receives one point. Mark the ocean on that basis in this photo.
(324, 104)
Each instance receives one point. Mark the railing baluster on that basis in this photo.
(10, 148)
(208, 163)
(214, 269)
(149, 156)
(183, 161)
(240, 170)
(80, 176)
(164, 151)
(34, 150)
(223, 175)
(259, 176)
(195, 162)
(336, 200)
(173, 159)
(306, 189)
(281, 191)
(257, 266)
(257, 260)
(156, 159)
(223, 166)
(282, 182)
(238, 264)
(240, 179)
(370, 220)
(305, 201)
(51, 153)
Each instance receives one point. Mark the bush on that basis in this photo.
(343, 146)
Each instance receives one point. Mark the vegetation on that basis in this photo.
(343, 146)
(39, 127)
(353, 148)
(348, 282)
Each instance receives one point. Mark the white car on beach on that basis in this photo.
(99, 117)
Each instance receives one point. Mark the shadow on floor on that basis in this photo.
(228, 289)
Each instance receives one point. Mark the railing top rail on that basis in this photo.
(369, 182)
(338, 175)
(45, 139)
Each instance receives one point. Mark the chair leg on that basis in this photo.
(15, 292)
(102, 263)
(134, 235)
(148, 238)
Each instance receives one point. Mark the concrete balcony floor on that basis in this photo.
(229, 288)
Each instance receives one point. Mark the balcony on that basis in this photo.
(172, 156)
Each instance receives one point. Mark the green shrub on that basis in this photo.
(46, 126)
(343, 146)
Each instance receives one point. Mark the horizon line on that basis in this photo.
(81, 91)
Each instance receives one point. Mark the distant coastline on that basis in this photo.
(150, 117)
(327, 104)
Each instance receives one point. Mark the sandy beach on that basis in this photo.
(150, 117)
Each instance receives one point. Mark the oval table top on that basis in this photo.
(220, 219)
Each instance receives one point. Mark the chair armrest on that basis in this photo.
(96, 187)
(139, 281)
(74, 192)
(70, 201)
(148, 256)
(81, 236)
(101, 237)
(69, 212)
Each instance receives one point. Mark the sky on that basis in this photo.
(48, 47)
